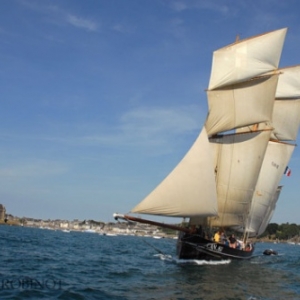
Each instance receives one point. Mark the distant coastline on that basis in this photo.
(91, 226)
(132, 229)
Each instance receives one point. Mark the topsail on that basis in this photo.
(246, 59)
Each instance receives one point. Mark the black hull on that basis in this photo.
(196, 247)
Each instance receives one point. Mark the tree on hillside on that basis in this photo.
(272, 228)
(282, 232)
(287, 231)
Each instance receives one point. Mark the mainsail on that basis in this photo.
(236, 174)
(231, 174)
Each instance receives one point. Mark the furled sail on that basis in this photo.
(246, 59)
(189, 190)
(275, 161)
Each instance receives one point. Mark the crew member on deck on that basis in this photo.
(232, 241)
(223, 238)
(193, 229)
(248, 247)
(217, 236)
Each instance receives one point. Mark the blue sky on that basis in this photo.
(101, 99)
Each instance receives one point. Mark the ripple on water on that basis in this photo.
(90, 266)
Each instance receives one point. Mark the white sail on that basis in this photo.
(238, 159)
(286, 114)
(246, 59)
(270, 212)
(240, 105)
(286, 119)
(275, 161)
(189, 190)
(289, 83)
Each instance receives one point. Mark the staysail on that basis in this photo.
(189, 190)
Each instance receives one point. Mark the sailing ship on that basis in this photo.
(230, 178)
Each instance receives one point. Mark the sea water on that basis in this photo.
(47, 264)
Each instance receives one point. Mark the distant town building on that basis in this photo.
(2, 212)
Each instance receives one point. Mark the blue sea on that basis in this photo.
(47, 264)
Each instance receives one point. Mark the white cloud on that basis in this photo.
(123, 28)
(159, 120)
(81, 23)
(155, 129)
(36, 168)
(58, 15)
(180, 6)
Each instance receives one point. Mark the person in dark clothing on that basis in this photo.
(232, 241)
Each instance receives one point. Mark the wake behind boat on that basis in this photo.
(229, 180)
